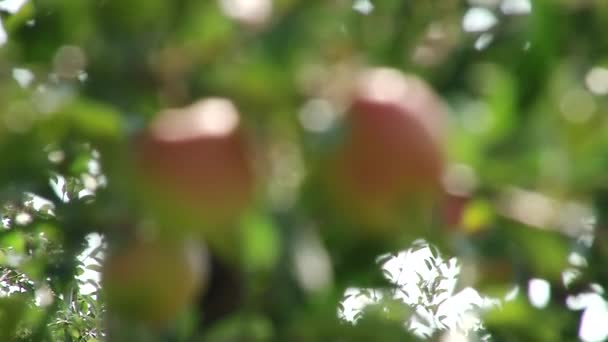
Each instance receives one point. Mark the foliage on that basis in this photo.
(526, 140)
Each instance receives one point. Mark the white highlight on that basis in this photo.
(418, 275)
(460, 179)
(596, 81)
(483, 41)
(44, 296)
(593, 327)
(211, 117)
(512, 294)
(317, 116)
(384, 85)
(90, 259)
(12, 6)
(312, 263)
(24, 77)
(364, 7)
(576, 259)
(539, 292)
(478, 19)
(3, 35)
(250, 12)
(570, 275)
(23, 219)
(516, 7)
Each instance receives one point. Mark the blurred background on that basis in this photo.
(303, 170)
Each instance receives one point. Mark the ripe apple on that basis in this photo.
(391, 157)
(153, 282)
(195, 164)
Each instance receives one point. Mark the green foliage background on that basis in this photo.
(522, 117)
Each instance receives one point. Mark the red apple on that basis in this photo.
(195, 163)
(153, 282)
(391, 156)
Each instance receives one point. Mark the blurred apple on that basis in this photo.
(390, 161)
(153, 282)
(195, 164)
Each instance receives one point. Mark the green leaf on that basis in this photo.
(92, 120)
(261, 244)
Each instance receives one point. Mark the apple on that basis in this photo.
(391, 159)
(153, 282)
(195, 165)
